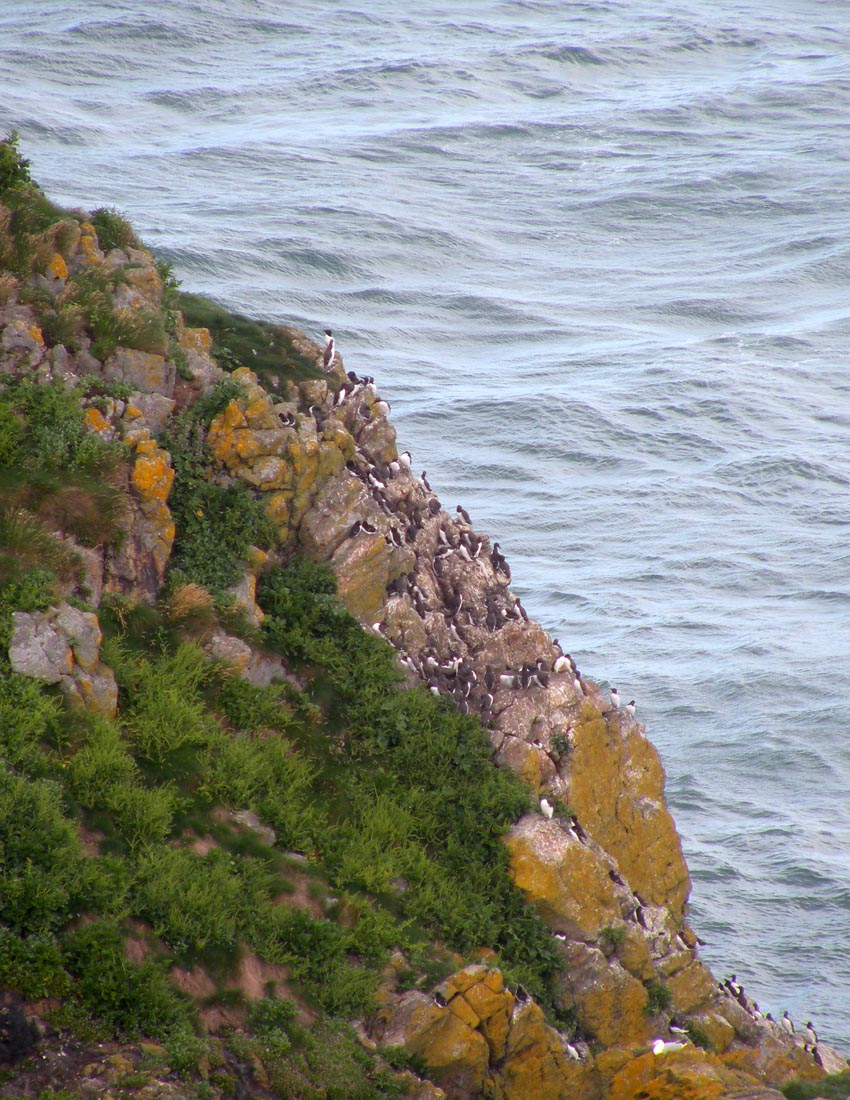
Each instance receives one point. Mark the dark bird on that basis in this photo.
(464, 515)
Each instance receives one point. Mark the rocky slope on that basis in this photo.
(598, 858)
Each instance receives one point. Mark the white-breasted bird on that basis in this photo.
(786, 1023)
(660, 1047)
(330, 349)
(546, 808)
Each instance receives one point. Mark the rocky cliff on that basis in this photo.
(597, 856)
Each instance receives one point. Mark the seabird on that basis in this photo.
(440, 1000)
(572, 1052)
(382, 406)
(330, 346)
(810, 1034)
(546, 808)
(464, 515)
(629, 708)
(615, 699)
(786, 1023)
(424, 481)
(660, 1047)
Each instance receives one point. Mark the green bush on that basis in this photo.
(659, 998)
(14, 167)
(32, 965)
(40, 858)
(142, 815)
(200, 903)
(28, 717)
(113, 229)
(167, 709)
(100, 764)
(216, 525)
(133, 999)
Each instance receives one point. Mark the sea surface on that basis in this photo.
(597, 255)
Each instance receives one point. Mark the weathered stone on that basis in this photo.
(143, 369)
(83, 633)
(565, 880)
(610, 1003)
(22, 346)
(38, 648)
(363, 567)
(156, 409)
(616, 788)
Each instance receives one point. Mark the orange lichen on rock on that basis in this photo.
(616, 788)
(152, 474)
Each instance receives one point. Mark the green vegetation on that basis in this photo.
(834, 1087)
(270, 350)
(659, 998)
(611, 937)
(216, 524)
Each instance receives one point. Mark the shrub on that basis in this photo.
(28, 716)
(142, 815)
(100, 764)
(216, 525)
(14, 167)
(40, 858)
(134, 999)
(659, 998)
(32, 965)
(200, 903)
(168, 711)
(113, 229)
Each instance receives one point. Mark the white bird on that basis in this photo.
(660, 1047)
(546, 808)
(572, 1052)
(810, 1034)
(629, 708)
(615, 699)
(786, 1023)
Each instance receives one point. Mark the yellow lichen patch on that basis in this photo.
(535, 1064)
(259, 412)
(57, 267)
(152, 473)
(34, 333)
(691, 986)
(610, 1002)
(88, 243)
(461, 1008)
(279, 511)
(362, 568)
(616, 787)
(96, 421)
(680, 1075)
(196, 339)
(633, 953)
(563, 879)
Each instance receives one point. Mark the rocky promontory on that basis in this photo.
(631, 1010)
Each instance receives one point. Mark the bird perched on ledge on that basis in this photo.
(330, 350)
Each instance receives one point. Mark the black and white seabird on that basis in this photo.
(546, 808)
(330, 349)
(786, 1023)
(810, 1035)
